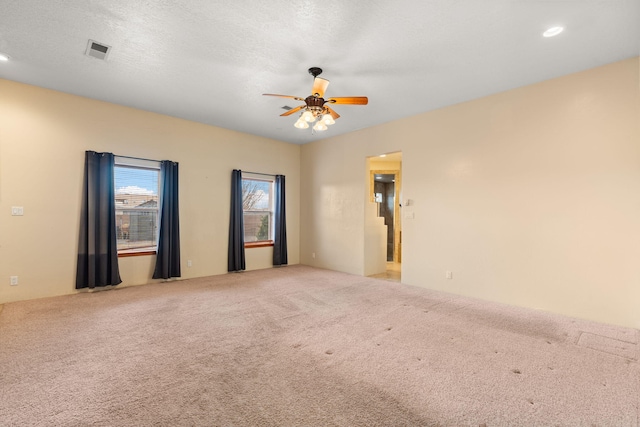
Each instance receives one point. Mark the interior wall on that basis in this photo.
(43, 137)
(333, 208)
(529, 197)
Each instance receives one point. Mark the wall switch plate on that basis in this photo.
(17, 210)
(449, 274)
(14, 280)
(189, 263)
(313, 255)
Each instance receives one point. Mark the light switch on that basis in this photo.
(17, 210)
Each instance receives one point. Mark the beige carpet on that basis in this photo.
(298, 346)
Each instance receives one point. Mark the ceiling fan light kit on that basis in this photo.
(315, 108)
(301, 124)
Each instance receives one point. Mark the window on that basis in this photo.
(257, 205)
(136, 194)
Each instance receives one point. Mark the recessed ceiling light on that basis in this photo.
(553, 31)
(4, 57)
(382, 155)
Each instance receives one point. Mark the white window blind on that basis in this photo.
(137, 198)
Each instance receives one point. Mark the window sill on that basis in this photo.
(261, 244)
(136, 252)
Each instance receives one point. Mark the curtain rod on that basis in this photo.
(258, 173)
(137, 158)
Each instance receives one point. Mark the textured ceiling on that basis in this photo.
(210, 61)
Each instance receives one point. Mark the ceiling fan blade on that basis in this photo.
(293, 110)
(335, 115)
(319, 86)
(351, 100)
(297, 98)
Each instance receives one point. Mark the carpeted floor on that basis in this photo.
(299, 346)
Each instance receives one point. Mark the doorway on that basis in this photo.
(385, 190)
(385, 197)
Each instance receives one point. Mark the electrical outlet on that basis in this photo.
(313, 255)
(14, 280)
(17, 210)
(189, 263)
(449, 274)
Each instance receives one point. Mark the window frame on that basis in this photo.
(135, 163)
(271, 180)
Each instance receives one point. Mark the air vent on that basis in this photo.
(97, 50)
(286, 107)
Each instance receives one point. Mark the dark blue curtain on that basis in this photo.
(98, 245)
(168, 253)
(236, 261)
(280, 224)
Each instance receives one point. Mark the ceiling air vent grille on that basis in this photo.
(97, 50)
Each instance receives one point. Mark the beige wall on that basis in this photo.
(530, 197)
(43, 137)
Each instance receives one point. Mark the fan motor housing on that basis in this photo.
(314, 101)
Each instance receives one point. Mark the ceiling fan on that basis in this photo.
(315, 106)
